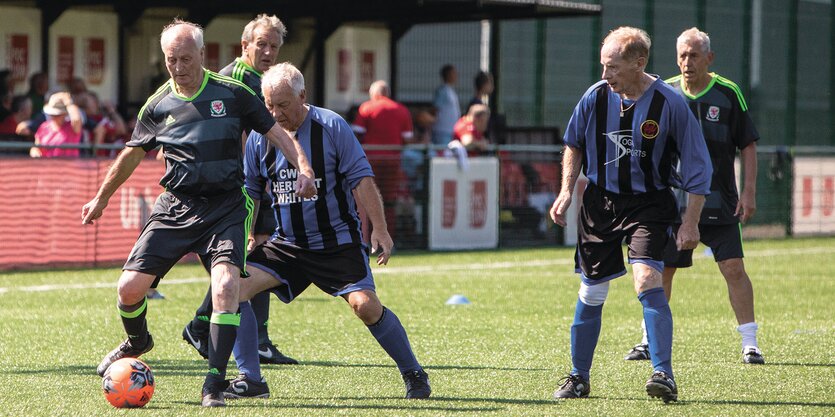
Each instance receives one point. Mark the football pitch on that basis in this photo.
(501, 355)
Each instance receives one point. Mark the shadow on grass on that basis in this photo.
(432, 367)
(728, 402)
(419, 405)
(825, 365)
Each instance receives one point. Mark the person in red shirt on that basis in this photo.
(383, 121)
(469, 129)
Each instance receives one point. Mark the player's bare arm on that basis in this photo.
(305, 186)
(747, 205)
(370, 199)
(688, 233)
(119, 172)
(571, 162)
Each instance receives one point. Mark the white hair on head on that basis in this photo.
(378, 87)
(265, 21)
(692, 36)
(633, 42)
(171, 30)
(283, 73)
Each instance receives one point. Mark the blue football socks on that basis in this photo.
(391, 335)
(246, 344)
(584, 334)
(659, 322)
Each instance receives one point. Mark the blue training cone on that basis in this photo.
(457, 299)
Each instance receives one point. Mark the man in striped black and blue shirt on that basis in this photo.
(318, 240)
(634, 138)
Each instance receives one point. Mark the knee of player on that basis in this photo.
(366, 306)
(130, 290)
(733, 269)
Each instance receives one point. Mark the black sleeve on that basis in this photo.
(144, 135)
(254, 114)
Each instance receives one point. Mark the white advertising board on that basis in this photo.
(464, 204)
(813, 198)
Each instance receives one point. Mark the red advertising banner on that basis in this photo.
(367, 71)
(94, 61)
(40, 212)
(65, 65)
(343, 75)
(213, 56)
(450, 202)
(17, 55)
(478, 204)
(236, 50)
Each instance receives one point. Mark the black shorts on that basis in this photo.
(214, 228)
(336, 271)
(607, 219)
(265, 224)
(724, 240)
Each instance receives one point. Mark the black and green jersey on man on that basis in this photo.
(201, 135)
(245, 73)
(722, 113)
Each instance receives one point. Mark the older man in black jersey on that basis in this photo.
(198, 117)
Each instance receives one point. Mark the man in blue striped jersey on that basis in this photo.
(318, 240)
(723, 115)
(627, 133)
(198, 117)
(260, 42)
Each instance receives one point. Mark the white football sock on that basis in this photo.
(749, 334)
(645, 340)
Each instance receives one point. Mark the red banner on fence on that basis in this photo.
(94, 67)
(40, 212)
(65, 67)
(17, 52)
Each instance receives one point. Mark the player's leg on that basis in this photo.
(598, 259)
(133, 306)
(196, 332)
(741, 293)
(390, 334)
(223, 329)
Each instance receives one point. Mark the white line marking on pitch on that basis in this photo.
(408, 270)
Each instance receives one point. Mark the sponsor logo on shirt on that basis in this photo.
(649, 129)
(712, 114)
(218, 108)
(169, 120)
(624, 145)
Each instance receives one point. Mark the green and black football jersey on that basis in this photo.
(722, 113)
(245, 73)
(201, 135)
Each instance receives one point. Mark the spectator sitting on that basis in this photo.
(38, 87)
(21, 112)
(483, 83)
(469, 130)
(57, 130)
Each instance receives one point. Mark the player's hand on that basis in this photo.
(92, 211)
(560, 207)
(746, 207)
(688, 236)
(305, 186)
(381, 245)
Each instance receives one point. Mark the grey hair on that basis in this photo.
(378, 87)
(694, 34)
(634, 42)
(265, 21)
(194, 30)
(283, 73)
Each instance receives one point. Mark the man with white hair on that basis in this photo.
(198, 117)
(722, 112)
(626, 133)
(261, 40)
(318, 240)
